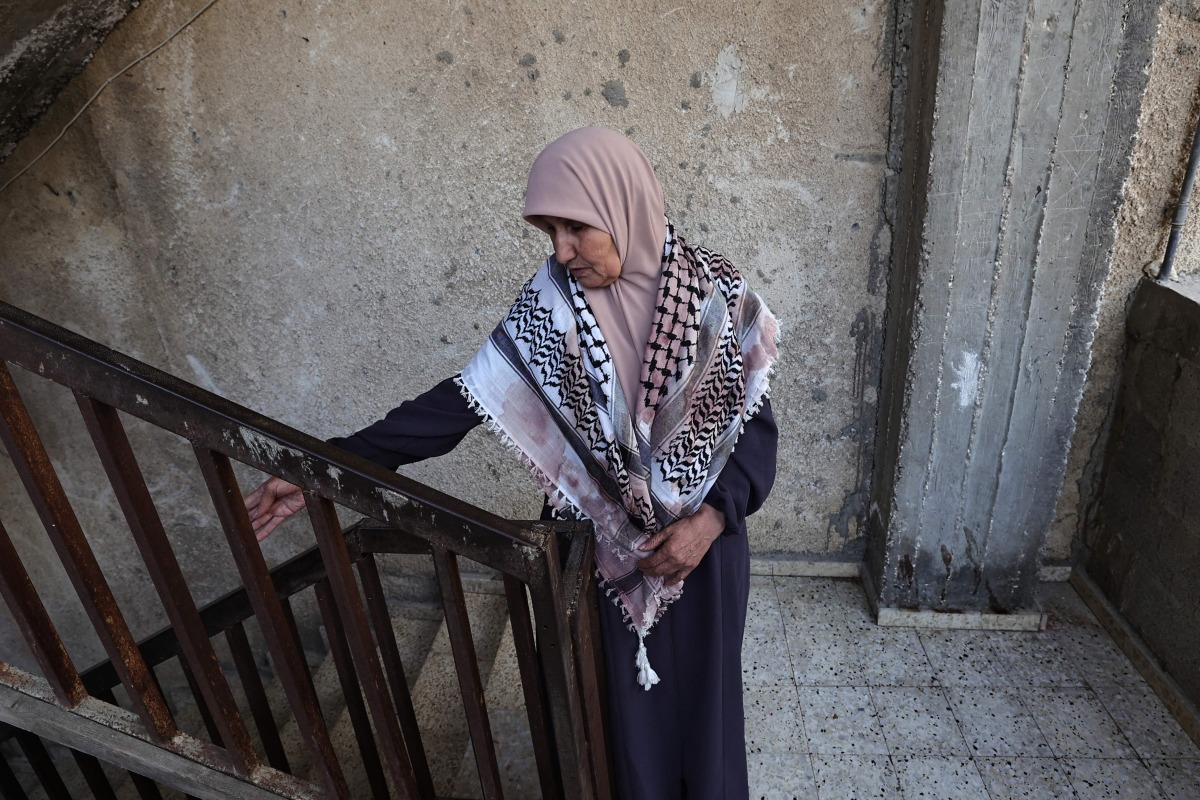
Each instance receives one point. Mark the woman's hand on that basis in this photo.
(679, 547)
(272, 503)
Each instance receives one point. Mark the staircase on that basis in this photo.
(396, 688)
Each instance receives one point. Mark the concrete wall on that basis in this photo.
(313, 209)
(1143, 544)
(43, 44)
(1170, 107)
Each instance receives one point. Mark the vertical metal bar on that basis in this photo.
(256, 696)
(10, 787)
(533, 687)
(558, 667)
(35, 624)
(210, 686)
(206, 716)
(349, 606)
(94, 775)
(41, 483)
(466, 664)
(351, 692)
(284, 648)
(589, 660)
(389, 652)
(43, 766)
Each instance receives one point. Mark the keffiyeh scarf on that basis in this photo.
(544, 381)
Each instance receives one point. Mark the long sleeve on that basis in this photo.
(429, 425)
(744, 483)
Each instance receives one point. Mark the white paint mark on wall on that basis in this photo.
(141, 401)
(967, 373)
(728, 93)
(202, 377)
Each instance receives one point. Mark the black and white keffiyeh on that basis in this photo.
(544, 380)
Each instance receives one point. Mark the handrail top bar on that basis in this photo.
(147, 392)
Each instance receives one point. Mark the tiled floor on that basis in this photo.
(838, 708)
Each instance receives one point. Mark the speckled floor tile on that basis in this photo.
(1040, 658)
(1098, 660)
(1178, 779)
(961, 658)
(776, 776)
(894, 657)
(817, 603)
(828, 657)
(1111, 779)
(773, 721)
(918, 721)
(765, 657)
(1146, 723)
(840, 720)
(939, 778)
(856, 778)
(995, 722)
(1075, 723)
(1025, 779)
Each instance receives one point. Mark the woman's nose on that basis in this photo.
(564, 249)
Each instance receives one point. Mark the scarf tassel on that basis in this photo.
(647, 677)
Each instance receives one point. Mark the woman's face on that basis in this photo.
(588, 253)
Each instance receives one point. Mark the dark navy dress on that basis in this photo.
(685, 738)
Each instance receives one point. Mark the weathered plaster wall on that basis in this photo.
(313, 209)
(1170, 108)
(43, 44)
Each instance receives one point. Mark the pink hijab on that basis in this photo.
(598, 177)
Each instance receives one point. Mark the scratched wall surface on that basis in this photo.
(313, 209)
(1028, 136)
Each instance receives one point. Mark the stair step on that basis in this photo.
(415, 631)
(436, 695)
(510, 732)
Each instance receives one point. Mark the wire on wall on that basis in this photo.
(104, 86)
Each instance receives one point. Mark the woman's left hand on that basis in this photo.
(679, 547)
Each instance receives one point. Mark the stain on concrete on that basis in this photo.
(559, 37)
(622, 58)
(729, 93)
(527, 60)
(43, 45)
(966, 378)
(697, 80)
(614, 93)
(446, 57)
(819, 395)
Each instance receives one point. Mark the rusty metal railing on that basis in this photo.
(550, 602)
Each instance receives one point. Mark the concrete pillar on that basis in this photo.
(1016, 135)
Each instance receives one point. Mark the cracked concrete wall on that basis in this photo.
(313, 210)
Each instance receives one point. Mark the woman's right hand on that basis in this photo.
(272, 503)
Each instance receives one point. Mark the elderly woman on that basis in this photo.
(624, 375)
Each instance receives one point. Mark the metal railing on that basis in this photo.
(557, 646)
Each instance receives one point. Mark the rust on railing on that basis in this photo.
(550, 602)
